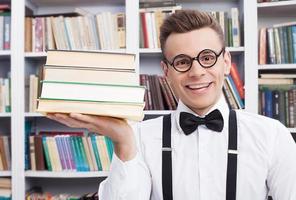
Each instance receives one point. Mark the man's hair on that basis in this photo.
(184, 21)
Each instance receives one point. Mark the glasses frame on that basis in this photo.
(194, 58)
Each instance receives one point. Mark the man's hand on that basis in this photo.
(118, 130)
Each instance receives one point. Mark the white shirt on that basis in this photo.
(266, 161)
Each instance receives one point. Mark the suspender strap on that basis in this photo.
(167, 189)
(167, 158)
(232, 158)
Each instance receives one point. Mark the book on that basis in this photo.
(237, 80)
(104, 60)
(128, 111)
(278, 75)
(91, 92)
(274, 81)
(89, 75)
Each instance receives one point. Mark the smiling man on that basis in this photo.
(202, 151)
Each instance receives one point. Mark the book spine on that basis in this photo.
(46, 153)
(96, 152)
(237, 80)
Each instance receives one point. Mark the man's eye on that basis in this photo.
(182, 62)
(207, 58)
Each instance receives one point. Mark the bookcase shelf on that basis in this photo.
(29, 114)
(44, 54)
(5, 115)
(35, 54)
(292, 130)
(63, 174)
(158, 51)
(5, 173)
(5, 53)
(278, 4)
(276, 66)
(71, 2)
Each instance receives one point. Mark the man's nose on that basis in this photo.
(196, 68)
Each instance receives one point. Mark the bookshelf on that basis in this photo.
(24, 63)
(268, 15)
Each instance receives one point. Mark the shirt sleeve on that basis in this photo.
(129, 180)
(281, 178)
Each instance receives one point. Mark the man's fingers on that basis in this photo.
(68, 121)
(94, 119)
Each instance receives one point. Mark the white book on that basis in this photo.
(54, 90)
(235, 27)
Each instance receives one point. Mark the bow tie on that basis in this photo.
(190, 122)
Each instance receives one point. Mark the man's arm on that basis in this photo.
(282, 173)
(129, 177)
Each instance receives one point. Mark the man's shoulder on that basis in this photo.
(257, 120)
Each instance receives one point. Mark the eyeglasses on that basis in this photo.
(206, 58)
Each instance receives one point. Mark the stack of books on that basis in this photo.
(90, 82)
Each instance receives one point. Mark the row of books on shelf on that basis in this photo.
(233, 88)
(158, 95)
(96, 83)
(104, 30)
(36, 193)
(5, 95)
(277, 44)
(152, 18)
(66, 151)
(5, 188)
(279, 102)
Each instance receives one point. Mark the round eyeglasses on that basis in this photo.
(206, 58)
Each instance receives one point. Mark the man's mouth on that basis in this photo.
(198, 86)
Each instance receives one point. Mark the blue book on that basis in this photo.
(96, 151)
(294, 42)
(268, 103)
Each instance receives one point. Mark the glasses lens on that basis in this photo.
(207, 58)
(182, 62)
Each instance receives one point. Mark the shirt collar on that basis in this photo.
(221, 105)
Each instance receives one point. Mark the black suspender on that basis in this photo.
(232, 157)
(167, 188)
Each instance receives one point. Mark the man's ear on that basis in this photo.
(227, 62)
(164, 68)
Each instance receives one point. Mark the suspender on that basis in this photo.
(167, 188)
(232, 158)
(167, 158)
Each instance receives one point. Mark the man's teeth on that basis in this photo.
(199, 86)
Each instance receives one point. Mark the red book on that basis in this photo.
(145, 33)
(237, 80)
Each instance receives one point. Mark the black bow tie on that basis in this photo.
(190, 122)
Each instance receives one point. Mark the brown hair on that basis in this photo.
(184, 21)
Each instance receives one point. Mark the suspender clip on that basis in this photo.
(231, 151)
(166, 149)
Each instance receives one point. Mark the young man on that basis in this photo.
(200, 160)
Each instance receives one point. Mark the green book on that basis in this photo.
(96, 152)
(83, 154)
(46, 153)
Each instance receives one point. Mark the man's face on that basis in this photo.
(199, 88)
